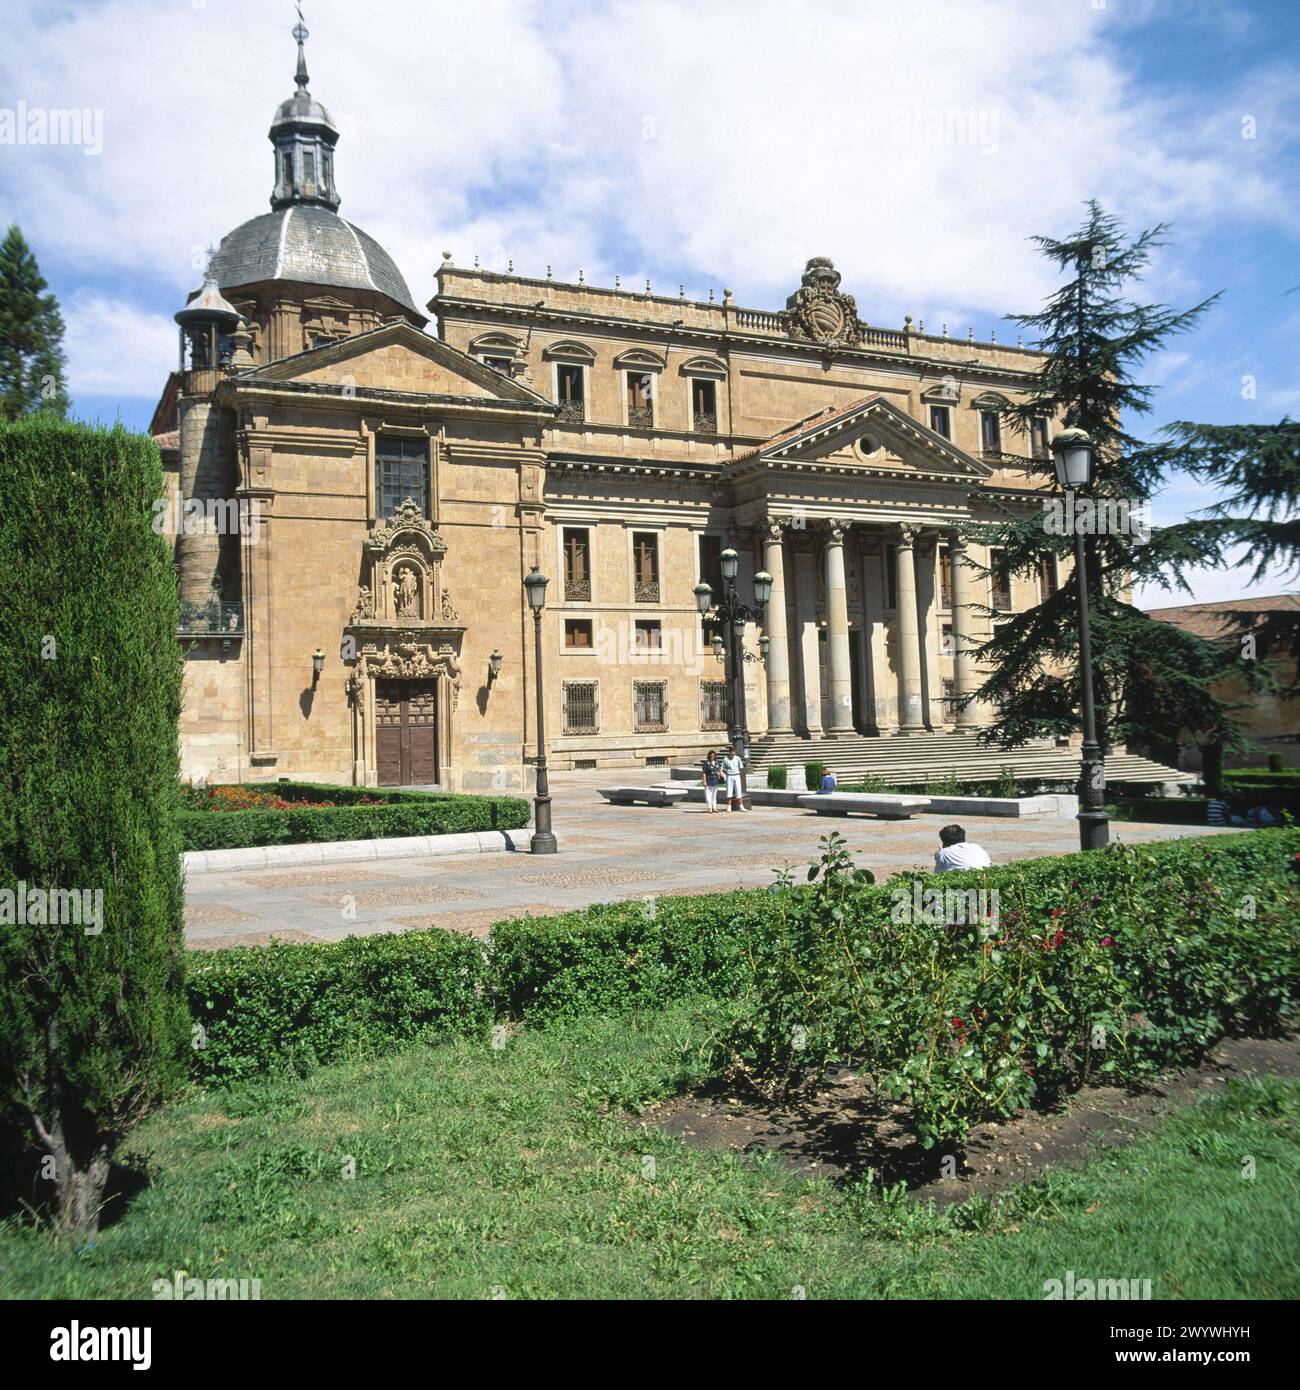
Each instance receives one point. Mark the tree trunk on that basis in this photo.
(1212, 767)
(83, 1157)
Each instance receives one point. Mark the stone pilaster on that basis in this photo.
(965, 671)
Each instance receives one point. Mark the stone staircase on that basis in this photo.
(909, 760)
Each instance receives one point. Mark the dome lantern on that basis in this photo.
(206, 323)
(304, 136)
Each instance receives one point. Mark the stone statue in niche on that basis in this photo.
(406, 593)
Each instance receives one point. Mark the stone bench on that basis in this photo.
(648, 796)
(865, 803)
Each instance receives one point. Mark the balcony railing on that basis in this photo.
(647, 592)
(571, 413)
(577, 590)
(641, 418)
(1001, 599)
(210, 619)
(706, 423)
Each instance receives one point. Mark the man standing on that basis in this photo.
(732, 767)
(957, 854)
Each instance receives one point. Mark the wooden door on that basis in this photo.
(406, 733)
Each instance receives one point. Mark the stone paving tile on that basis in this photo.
(367, 899)
(310, 878)
(214, 915)
(252, 938)
(589, 878)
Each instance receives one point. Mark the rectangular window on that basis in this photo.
(704, 406)
(713, 705)
(1001, 581)
(1047, 580)
(711, 564)
(945, 578)
(308, 168)
(287, 164)
(577, 634)
(990, 432)
(650, 706)
(498, 364)
(326, 169)
(581, 710)
(640, 400)
(949, 699)
(570, 391)
(941, 421)
(401, 473)
(576, 541)
(1038, 437)
(645, 566)
(649, 636)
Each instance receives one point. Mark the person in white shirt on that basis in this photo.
(957, 854)
(732, 767)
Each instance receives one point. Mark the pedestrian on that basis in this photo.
(956, 853)
(828, 781)
(712, 769)
(732, 768)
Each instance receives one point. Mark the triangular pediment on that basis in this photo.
(397, 357)
(872, 434)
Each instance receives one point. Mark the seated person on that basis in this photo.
(1217, 812)
(957, 854)
(828, 781)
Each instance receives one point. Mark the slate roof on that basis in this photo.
(309, 244)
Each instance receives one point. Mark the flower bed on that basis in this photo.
(288, 813)
(1112, 964)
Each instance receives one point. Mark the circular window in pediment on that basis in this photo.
(868, 445)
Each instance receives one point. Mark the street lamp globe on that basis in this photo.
(535, 587)
(730, 564)
(703, 597)
(762, 587)
(719, 650)
(1073, 454)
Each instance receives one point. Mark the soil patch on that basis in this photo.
(847, 1128)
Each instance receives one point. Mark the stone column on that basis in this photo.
(805, 588)
(964, 669)
(911, 705)
(839, 667)
(778, 651)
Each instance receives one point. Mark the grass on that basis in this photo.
(515, 1171)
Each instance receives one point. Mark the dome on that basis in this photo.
(311, 244)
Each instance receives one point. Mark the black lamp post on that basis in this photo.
(543, 839)
(729, 617)
(1074, 456)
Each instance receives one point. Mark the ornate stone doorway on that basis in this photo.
(406, 732)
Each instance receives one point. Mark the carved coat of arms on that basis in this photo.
(818, 311)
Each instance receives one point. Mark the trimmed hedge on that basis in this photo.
(92, 1015)
(272, 1008)
(265, 1009)
(426, 813)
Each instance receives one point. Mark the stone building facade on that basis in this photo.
(398, 478)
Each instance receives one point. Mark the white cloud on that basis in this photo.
(713, 144)
(115, 349)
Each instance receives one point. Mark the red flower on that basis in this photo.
(1108, 941)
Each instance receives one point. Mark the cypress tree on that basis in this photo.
(93, 1021)
(1151, 680)
(32, 364)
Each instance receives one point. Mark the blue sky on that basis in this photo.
(708, 144)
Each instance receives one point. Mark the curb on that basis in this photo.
(337, 851)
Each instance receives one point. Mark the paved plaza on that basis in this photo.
(606, 853)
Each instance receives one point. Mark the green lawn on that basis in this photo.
(515, 1171)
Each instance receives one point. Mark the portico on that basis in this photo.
(853, 508)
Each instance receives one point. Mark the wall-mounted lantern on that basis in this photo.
(494, 666)
(317, 666)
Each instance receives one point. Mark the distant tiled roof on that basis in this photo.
(1211, 620)
(170, 439)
